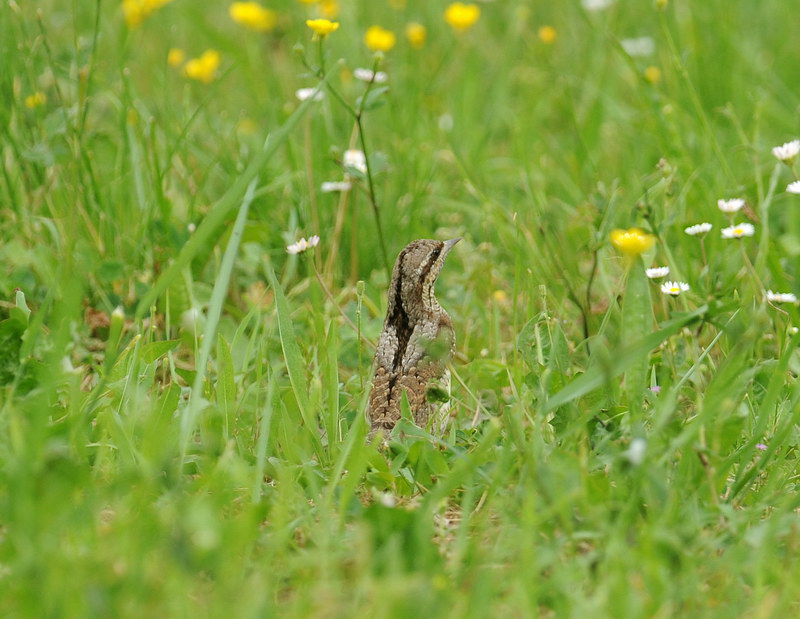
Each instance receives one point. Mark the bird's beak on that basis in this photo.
(448, 245)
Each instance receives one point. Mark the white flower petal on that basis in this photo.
(596, 5)
(794, 187)
(331, 186)
(303, 245)
(781, 297)
(788, 151)
(636, 451)
(638, 47)
(657, 272)
(368, 75)
(674, 288)
(315, 94)
(730, 206)
(698, 229)
(355, 159)
(738, 231)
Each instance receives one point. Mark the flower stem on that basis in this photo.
(357, 116)
(751, 268)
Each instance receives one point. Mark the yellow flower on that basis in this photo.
(322, 27)
(462, 16)
(416, 35)
(35, 100)
(308, 1)
(246, 126)
(379, 40)
(203, 69)
(135, 11)
(329, 8)
(175, 57)
(501, 296)
(252, 15)
(632, 242)
(652, 75)
(547, 35)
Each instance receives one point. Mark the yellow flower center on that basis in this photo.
(203, 69)
(35, 100)
(632, 242)
(652, 75)
(135, 11)
(416, 35)
(329, 8)
(378, 39)
(547, 35)
(462, 16)
(322, 27)
(175, 57)
(252, 15)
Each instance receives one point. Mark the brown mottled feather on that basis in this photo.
(417, 338)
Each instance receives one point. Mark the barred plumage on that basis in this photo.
(416, 342)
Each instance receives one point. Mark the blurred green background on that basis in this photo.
(203, 451)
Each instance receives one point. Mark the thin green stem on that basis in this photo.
(357, 116)
(751, 268)
(763, 212)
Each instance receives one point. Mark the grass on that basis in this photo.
(205, 451)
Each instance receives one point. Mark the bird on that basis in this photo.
(416, 343)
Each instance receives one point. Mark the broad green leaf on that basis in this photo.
(155, 350)
(637, 322)
(374, 98)
(20, 312)
(295, 364)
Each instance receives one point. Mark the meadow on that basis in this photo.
(200, 204)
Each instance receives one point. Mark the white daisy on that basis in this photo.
(596, 5)
(657, 272)
(781, 297)
(698, 229)
(793, 187)
(636, 451)
(788, 151)
(674, 288)
(738, 231)
(446, 122)
(315, 94)
(730, 206)
(368, 75)
(356, 160)
(638, 47)
(331, 186)
(303, 245)
(297, 248)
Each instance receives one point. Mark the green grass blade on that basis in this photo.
(218, 214)
(196, 401)
(295, 364)
(596, 376)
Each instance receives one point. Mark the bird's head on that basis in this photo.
(415, 273)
